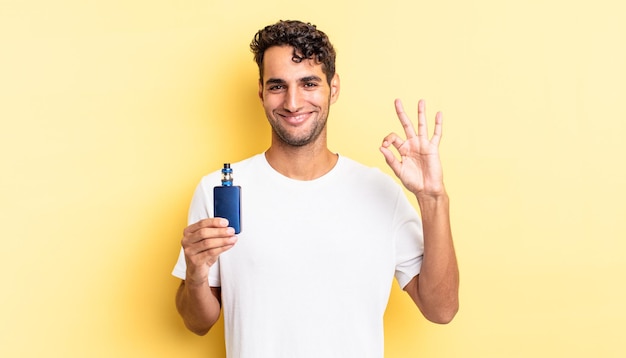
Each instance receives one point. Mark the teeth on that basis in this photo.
(296, 118)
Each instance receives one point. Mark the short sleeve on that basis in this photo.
(409, 241)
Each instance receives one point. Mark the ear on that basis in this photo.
(334, 88)
(261, 89)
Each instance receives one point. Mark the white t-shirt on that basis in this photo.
(311, 273)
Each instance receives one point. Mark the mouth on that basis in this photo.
(295, 119)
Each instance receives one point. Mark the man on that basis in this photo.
(322, 236)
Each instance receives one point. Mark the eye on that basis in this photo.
(275, 88)
(310, 85)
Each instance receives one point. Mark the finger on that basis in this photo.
(438, 128)
(207, 244)
(404, 120)
(213, 233)
(422, 127)
(207, 233)
(208, 222)
(213, 244)
(391, 159)
(393, 139)
(218, 251)
(199, 254)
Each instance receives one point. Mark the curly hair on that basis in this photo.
(307, 41)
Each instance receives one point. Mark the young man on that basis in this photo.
(323, 236)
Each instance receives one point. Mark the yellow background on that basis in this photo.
(111, 111)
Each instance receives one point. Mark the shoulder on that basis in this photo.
(371, 179)
(359, 171)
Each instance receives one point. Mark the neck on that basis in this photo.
(301, 163)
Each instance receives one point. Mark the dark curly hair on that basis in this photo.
(307, 41)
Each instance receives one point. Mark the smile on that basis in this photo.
(295, 118)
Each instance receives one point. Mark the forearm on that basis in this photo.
(438, 285)
(198, 306)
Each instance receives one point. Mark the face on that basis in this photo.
(296, 97)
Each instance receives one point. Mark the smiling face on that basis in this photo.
(296, 97)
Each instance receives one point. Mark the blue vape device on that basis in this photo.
(227, 200)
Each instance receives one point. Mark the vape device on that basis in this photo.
(227, 200)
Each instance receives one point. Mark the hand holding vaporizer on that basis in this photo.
(227, 200)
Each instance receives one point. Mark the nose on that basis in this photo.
(293, 100)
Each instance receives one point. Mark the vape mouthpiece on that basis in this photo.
(227, 175)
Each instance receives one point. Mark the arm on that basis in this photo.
(198, 304)
(435, 289)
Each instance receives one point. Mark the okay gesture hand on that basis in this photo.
(419, 167)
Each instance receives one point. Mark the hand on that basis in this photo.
(202, 243)
(419, 167)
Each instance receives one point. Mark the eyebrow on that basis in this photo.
(310, 79)
(274, 81)
(301, 80)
